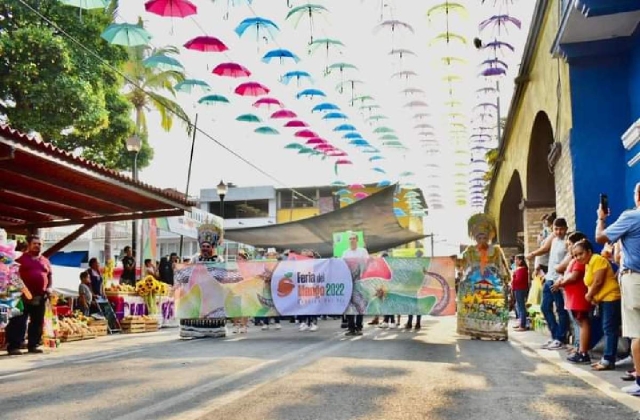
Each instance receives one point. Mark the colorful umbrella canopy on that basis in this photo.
(296, 123)
(297, 75)
(187, 85)
(305, 134)
(86, 4)
(231, 70)
(280, 54)
(267, 102)
(345, 127)
(325, 106)
(251, 89)
(206, 44)
(311, 93)
(126, 34)
(213, 99)
(248, 118)
(335, 116)
(163, 62)
(284, 113)
(261, 27)
(171, 8)
(266, 130)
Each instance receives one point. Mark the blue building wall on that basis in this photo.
(601, 113)
(633, 173)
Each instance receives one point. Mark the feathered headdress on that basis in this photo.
(209, 232)
(482, 223)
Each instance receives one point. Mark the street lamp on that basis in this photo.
(134, 144)
(222, 192)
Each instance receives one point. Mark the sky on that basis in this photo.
(441, 172)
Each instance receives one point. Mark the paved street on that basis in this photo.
(392, 374)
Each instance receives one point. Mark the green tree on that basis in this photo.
(50, 84)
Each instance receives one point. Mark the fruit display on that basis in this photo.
(72, 329)
(123, 289)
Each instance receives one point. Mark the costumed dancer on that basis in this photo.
(209, 237)
(483, 310)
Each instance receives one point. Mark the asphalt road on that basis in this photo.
(384, 374)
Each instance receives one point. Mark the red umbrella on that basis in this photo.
(306, 134)
(268, 102)
(296, 123)
(206, 44)
(231, 70)
(343, 162)
(171, 8)
(251, 89)
(284, 113)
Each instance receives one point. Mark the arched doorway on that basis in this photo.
(511, 218)
(541, 187)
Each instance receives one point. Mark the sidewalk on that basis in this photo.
(84, 351)
(608, 382)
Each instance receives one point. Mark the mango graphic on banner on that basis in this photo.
(311, 287)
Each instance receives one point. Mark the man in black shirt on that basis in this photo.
(128, 267)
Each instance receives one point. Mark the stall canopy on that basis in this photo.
(373, 215)
(44, 186)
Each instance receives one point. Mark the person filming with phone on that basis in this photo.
(626, 229)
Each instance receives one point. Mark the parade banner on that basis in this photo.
(376, 286)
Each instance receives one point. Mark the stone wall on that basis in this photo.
(533, 226)
(565, 200)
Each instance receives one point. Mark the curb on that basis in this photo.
(593, 380)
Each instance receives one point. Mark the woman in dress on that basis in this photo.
(483, 310)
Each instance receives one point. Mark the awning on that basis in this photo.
(373, 215)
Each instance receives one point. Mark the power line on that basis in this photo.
(170, 109)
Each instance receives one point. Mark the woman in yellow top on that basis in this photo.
(604, 293)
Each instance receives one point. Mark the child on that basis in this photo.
(85, 296)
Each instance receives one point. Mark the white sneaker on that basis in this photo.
(547, 344)
(313, 327)
(555, 345)
(236, 330)
(243, 330)
(304, 327)
(626, 361)
(265, 327)
(384, 325)
(392, 325)
(633, 389)
(278, 326)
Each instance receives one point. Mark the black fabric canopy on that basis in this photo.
(373, 215)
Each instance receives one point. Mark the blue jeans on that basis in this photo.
(521, 306)
(611, 320)
(558, 328)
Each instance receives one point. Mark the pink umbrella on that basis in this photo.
(231, 70)
(343, 162)
(206, 44)
(306, 134)
(360, 195)
(356, 186)
(284, 113)
(171, 8)
(336, 153)
(296, 123)
(268, 102)
(316, 140)
(325, 147)
(251, 89)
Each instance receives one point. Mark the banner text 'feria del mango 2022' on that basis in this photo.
(373, 286)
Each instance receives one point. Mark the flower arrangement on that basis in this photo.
(11, 287)
(150, 289)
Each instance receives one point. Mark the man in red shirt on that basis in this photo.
(35, 272)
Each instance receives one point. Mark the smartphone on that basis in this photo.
(604, 203)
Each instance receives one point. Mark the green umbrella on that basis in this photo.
(213, 99)
(187, 85)
(248, 118)
(377, 118)
(163, 62)
(389, 137)
(407, 173)
(382, 130)
(266, 130)
(338, 184)
(294, 146)
(86, 4)
(342, 66)
(127, 34)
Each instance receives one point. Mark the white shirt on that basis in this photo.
(355, 253)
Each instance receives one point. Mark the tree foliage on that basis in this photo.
(57, 83)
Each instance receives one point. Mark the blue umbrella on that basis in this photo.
(345, 127)
(187, 85)
(352, 135)
(382, 171)
(399, 212)
(376, 157)
(359, 142)
(281, 54)
(163, 62)
(297, 74)
(310, 93)
(335, 116)
(257, 24)
(343, 192)
(371, 150)
(325, 106)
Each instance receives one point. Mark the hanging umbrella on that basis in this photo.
(449, 37)
(399, 212)
(251, 89)
(376, 157)
(352, 82)
(377, 118)
(422, 125)
(283, 113)
(316, 140)
(307, 10)
(343, 191)
(500, 21)
(280, 54)
(341, 162)
(297, 74)
(296, 123)
(414, 104)
(248, 118)
(346, 200)
(499, 45)
(345, 127)
(401, 52)
(311, 93)
(326, 44)
(377, 169)
(171, 8)
(187, 85)
(126, 34)
(294, 146)
(305, 134)
(389, 137)
(447, 8)
(383, 183)
(335, 116)
(338, 184)
(205, 44)
(261, 26)
(86, 4)
(382, 130)
(360, 195)
(369, 107)
(352, 135)
(413, 91)
(231, 70)
(359, 142)
(341, 67)
(393, 25)
(493, 71)
(405, 74)
(495, 62)
(213, 99)
(163, 63)
(362, 98)
(325, 106)
(267, 102)
(266, 130)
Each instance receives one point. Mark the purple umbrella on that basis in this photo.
(498, 45)
(493, 71)
(495, 62)
(500, 20)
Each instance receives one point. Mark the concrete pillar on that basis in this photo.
(533, 224)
